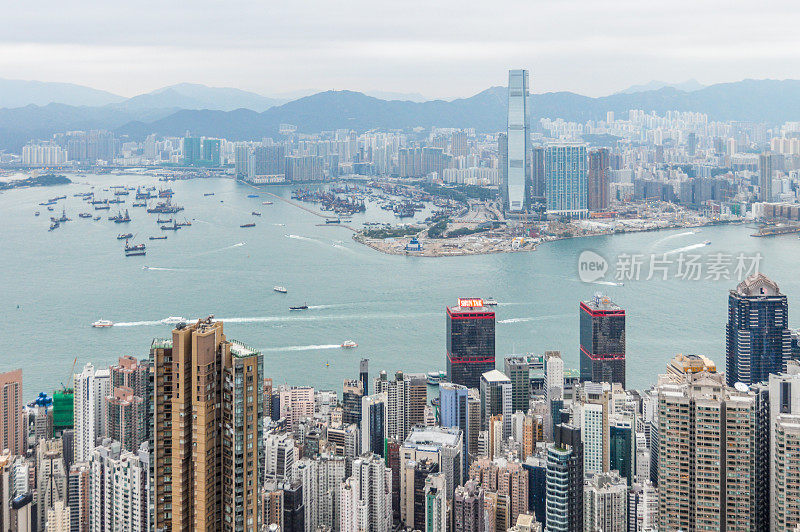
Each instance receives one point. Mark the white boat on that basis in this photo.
(490, 302)
(103, 323)
(707, 243)
(349, 344)
(266, 203)
(173, 320)
(280, 289)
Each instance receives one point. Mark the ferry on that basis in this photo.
(490, 302)
(280, 289)
(349, 344)
(304, 306)
(172, 320)
(248, 225)
(124, 236)
(435, 377)
(103, 323)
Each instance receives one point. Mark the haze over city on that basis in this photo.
(439, 50)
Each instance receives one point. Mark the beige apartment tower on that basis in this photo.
(208, 413)
(13, 423)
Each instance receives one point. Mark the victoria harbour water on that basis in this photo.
(53, 285)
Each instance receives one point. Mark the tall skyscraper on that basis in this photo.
(706, 449)
(125, 417)
(517, 370)
(565, 481)
(757, 335)
(373, 423)
(454, 412)
(538, 186)
(51, 478)
(470, 342)
(91, 389)
(442, 446)
(602, 341)
(120, 488)
(13, 421)
(765, 177)
(363, 374)
(597, 179)
(565, 180)
(352, 393)
(192, 153)
(366, 497)
(518, 139)
(208, 430)
(496, 399)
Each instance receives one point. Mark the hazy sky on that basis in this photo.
(439, 48)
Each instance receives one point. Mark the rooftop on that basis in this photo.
(601, 302)
(240, 350)
(758, 284)
(495, 376)
(433, 436)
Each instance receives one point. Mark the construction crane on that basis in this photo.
(71, 374)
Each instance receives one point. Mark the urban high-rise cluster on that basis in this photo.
(195, 436)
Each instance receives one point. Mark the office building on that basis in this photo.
(468, 508)
(706, 447)
(605, 502)
(516, 369)
(470, 342)
(363, 375)
(120, 488)
(757, 334)
(352, 393)
(454, 412)
(518, 139)
(496, 399)
(602, 341)
(598, 179)
(366, 497)
(565, 180)
(14, 427)
(191, 149)
(473, 421)
(208, 426)
(442, 446)
(765, 161)
(373, 423)
(564, 481)
(91, 389)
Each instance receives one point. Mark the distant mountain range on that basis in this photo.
(241, 115)
(687, 86)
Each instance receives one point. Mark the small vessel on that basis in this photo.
(172, 320)
(96, 218)
(50, 209)
(435, 377)
(255, 213)
(336, 221)
(102, 207)
(280, 289)
(349, 344)
(124, 236)
(184, 223)
(208, 194)
(138, 253)
(266, 203)
(159, 220)
(139, 204)
(304, 306)
(37, 213)
(248, 225)
(252, 195)
(84, 215)
(489, 302)
(121, 219)
(158, 237)
(173, 227)
(707, 243)
(134, 247)
(54, 225)
(103, 323)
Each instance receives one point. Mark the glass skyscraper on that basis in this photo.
(470, 342)
(565, 169)
(518, 167)
(602, 341)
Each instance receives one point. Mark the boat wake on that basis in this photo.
(687, 248)
(292, 318)
(300, 348)
(670, 237)
(136, 323)
(609, 283)
(236, 245)
(534, 318)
